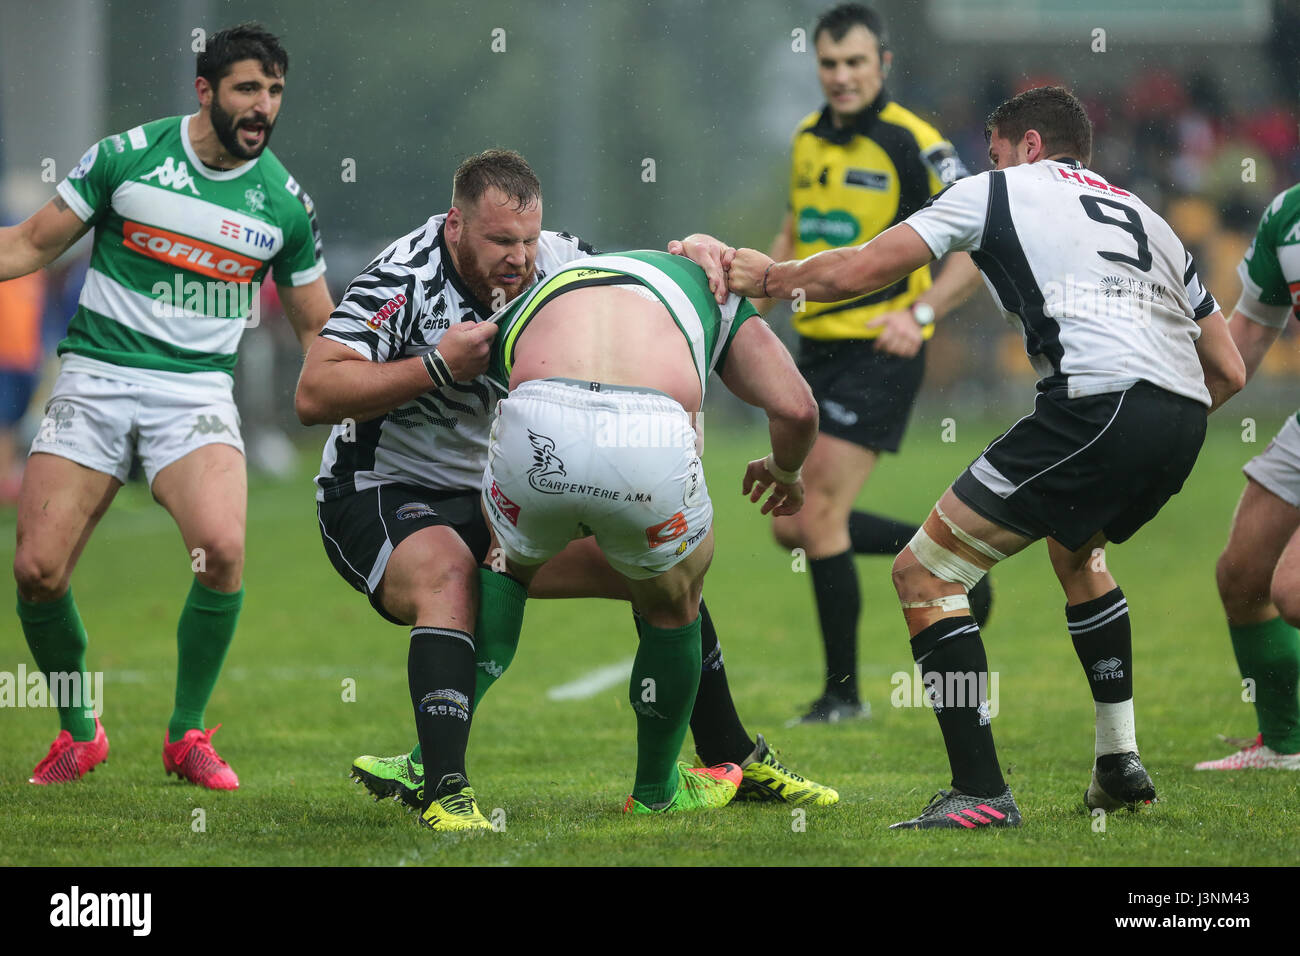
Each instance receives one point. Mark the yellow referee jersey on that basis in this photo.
(850, 184)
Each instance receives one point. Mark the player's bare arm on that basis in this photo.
(1225, 372)
(1253, 340)
(308, 308)
(832, 275)
(40, 239)
(337, 382)
(760, 371)
(901, 333)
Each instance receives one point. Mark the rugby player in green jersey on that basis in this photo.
(189, 213)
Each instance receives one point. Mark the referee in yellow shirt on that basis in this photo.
(860, 165)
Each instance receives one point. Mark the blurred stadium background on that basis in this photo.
(1194, 103)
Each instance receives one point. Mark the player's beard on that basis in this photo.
(479, 281)
(227, 129)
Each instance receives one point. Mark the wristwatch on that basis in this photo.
(923, 312)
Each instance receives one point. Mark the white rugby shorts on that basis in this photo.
(101, 422)
(570, 459)
(1277, 467)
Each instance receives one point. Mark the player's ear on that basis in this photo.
(1033, 146)
(455, 222)
(886, 61)
(204, 90)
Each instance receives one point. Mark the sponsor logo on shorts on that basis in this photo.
(209, 425)
(58, 417)
(665, 531)
(845, 416)
(1108, 669)
(447, 702)
(386, 310)
(545, 464)
(415, 509)
(508, 509)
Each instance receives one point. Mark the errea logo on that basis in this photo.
(174, 175)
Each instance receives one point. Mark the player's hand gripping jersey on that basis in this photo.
(399, 307)
(1092, 323)
(178, 249)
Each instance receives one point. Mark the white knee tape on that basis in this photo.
(967, 539)
(950, 602)
(942, 563)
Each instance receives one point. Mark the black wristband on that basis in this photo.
(437, 368)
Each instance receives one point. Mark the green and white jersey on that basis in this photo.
(679, 284)
(179, 251)
(1270, 270)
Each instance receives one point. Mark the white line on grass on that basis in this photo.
(593, 682)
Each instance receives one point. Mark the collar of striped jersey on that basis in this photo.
(861, 123)
(1068, 161)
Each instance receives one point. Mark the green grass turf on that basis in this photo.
(560, 770)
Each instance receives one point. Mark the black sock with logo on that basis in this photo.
(440, 674)
(839, 604)
(954, 668)
(1103, 639)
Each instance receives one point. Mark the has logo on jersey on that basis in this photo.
(254, 237)
(386, 310)
(173, 175)
(255, 199)
(1070, 175)
(867, 179)
(836, 227)
(192, 254)
(87, 161)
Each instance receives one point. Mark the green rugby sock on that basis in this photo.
(57, 640)
(1269, 654)
(500, 619)
(665, 678)
(203, 636)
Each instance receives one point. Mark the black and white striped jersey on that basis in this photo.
(1103, 290)
(400, 307)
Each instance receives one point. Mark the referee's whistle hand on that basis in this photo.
(900, 335)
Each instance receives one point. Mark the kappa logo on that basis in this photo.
(173, 175)
(208, 425)
(545, 462)
(665, 531)
(508, 509)
(1108, 669)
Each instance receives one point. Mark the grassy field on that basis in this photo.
(560, 769)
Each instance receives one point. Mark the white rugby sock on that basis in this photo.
(1116, 733)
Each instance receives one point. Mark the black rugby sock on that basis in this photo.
(839, 604)
(954, 668)
(440, 674)
(719, 735)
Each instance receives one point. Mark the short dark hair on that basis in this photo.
(838, 21)
(247, 41)
(1059, 118)
(501, 169)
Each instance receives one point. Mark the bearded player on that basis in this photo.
(189, 213)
